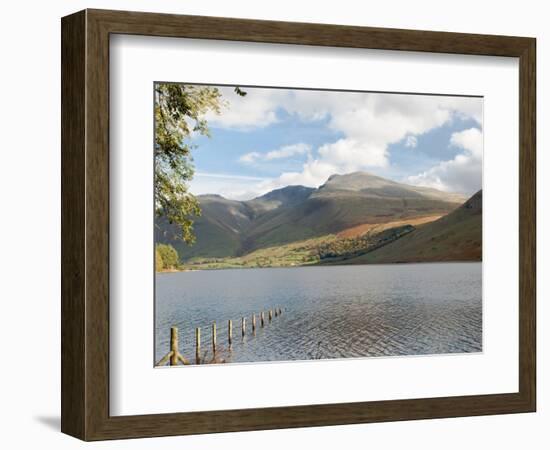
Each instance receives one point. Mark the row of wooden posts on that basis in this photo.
(174, 357)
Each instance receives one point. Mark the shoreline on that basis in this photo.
(401, 263)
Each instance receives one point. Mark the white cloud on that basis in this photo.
(286, 151)
(470, 140)
(467, 107)
(314, 173)
(351, 154)
(368, 122)
(249, 158)
(411, 141)
(460, 174)
(463, 173)
(257, 109)
(237, 187)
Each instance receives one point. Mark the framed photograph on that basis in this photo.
(273, 225)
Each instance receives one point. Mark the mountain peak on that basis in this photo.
(364, 183)
(287, 191)
(356, 181)
(286, 196)
(210, 195)
(475, 202)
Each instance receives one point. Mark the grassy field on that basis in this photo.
(307, 251)
(300, 253)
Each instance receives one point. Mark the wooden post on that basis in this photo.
(230, 332)
(183, 360)
(280, 312)
(276, 313)
(270, 315)
(165, 359)
(243, 326)
(214, 337)
(254, 323)
(174, 346)
(197, 345)
(262, 319)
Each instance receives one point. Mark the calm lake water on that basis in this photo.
(328, 312)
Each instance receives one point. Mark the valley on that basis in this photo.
(356, 218)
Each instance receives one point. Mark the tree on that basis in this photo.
(159, 263)
(179, 110)
(168, 255)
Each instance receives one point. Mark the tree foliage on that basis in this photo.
(359, 245)
(168, 255)
(159, 263)
(179, 111)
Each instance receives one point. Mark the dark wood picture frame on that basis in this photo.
(85, 224)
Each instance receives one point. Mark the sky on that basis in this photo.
(273, 138)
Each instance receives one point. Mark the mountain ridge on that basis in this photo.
(228, 228)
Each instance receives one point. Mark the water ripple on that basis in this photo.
(328, 312)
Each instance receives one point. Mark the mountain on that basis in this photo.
(286, 197)
(372, 185)
(229, 228)
(218, 229)
(454, 237)
(346, 201)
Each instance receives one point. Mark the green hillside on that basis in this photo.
(325, 213)
(454, 237)
(218, 229)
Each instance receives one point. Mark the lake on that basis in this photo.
(327, 312)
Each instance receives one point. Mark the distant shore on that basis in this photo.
(325, 264)
(176, 270)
